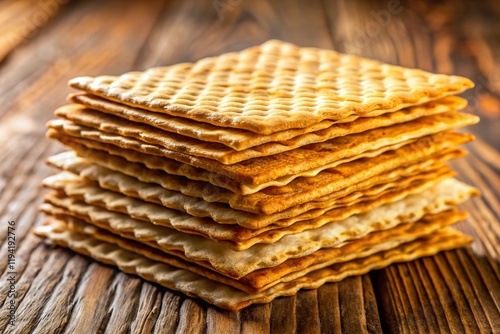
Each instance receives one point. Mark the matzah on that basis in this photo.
(151, 191)
(97, 126)
(257, 88)
(300, 190)
(303, 161)
(240, 139)
(228, 297)
(235, 237)
(251, 175)
(240, 263)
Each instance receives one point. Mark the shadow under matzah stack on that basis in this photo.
(245, 177)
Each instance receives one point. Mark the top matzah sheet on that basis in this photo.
(274, 87)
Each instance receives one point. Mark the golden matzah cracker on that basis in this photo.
(400, 178)
(240, 139)
(291, 269)
(230, 298)
(257, 88)
(234, 237)
(357, 248)
(175, 168)
(236, 264)
(116, 143)
(302, 190)
(89, 168)
(303, 161)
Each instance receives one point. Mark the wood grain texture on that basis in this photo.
(60, 292)
(30, 16)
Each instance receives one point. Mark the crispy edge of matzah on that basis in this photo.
(222, 213)
(301, 190)
(237, 264)
(291, 269)
(240, 139)
(396, 181)
(231, 298)
(232, 236)
(250, 167)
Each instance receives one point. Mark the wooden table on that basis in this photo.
(60, 292)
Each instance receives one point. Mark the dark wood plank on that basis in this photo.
(329, 308)
(444, 293)
(357, 310)
(41, 284)
(282, 319)
(125, 291)
(191, 318)
(219, 321)
(91, 301)
(307, 312)
(148, 309)
(255, 319)
(60, 298)
(373, 324)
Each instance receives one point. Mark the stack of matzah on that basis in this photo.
(251, 175)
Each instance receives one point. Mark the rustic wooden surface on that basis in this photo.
(60, 292)
(31, 15)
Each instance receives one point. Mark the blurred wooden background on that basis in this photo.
(45, 43)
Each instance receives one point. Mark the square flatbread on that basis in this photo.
(252, 165)
(226, 296)
(293, 268)
(240, 139)
(236, 264)
(300, 190)
(403, 180)
(257, 88)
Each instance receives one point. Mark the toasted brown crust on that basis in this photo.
(240, 139)
(182, 195)
(335, 229)
(221, 294)
(300, 190)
